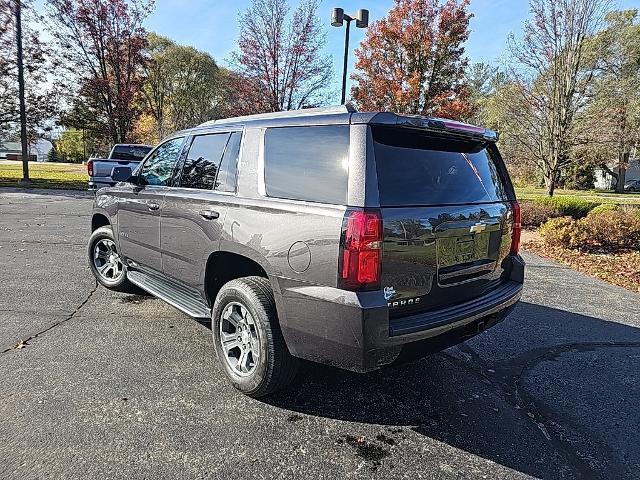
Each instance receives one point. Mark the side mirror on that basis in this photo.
(121, 174)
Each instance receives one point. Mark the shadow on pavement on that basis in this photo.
(561, 402)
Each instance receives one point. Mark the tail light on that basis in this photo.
(90, 168)
(361, 250)
(517, 228)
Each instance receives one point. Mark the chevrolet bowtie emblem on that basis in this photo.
(477, 228)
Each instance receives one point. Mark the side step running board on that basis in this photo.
(175, 295)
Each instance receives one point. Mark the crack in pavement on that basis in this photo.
(582, 465)
(506, 379)
(24, 342)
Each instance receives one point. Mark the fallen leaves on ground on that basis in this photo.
(622, 269)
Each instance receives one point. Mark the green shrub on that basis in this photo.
(605, 207)
(535, 214)
(607, 231)
(568, 206)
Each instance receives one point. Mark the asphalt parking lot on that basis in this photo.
(96, 384)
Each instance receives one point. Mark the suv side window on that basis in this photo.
(307, 163)
(226, 181)
(203, 161)
(158, 168)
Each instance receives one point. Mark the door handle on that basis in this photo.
(153, 206)
(209, 214)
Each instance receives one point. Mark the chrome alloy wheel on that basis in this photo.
(239, 339)
(107, 261)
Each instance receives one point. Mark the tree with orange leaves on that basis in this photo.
(412, 61)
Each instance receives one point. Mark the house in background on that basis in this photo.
(39, 151)
(605, 180)
(9, 150)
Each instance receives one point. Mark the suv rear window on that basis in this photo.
(307, 163)
(416, 168)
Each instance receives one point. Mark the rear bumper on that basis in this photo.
(449, 318)
(352, 330)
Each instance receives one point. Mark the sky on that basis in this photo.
(214, 28)
(212, 25)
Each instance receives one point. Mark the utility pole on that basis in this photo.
(23, 108)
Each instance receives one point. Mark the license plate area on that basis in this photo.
(463, 258)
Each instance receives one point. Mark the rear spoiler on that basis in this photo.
(436, 125)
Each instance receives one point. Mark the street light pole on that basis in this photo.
(23, 108)
(346, 57)
(338, 17)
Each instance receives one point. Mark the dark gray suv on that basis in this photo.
(351, 239)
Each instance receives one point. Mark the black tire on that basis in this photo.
(276, 367)
(119, 284)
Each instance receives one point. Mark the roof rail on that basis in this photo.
(333, 110)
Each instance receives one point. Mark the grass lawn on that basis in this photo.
(600, 196)
(45, 175)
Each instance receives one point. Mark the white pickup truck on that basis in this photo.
(122, 155)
